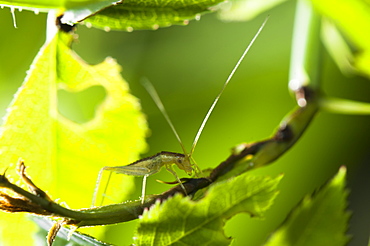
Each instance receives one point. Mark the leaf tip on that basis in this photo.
(340, 177)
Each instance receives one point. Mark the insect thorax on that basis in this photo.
(181, 160)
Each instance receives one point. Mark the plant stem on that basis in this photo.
(344, 106)
(306, 47)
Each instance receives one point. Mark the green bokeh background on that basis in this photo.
(188, 66)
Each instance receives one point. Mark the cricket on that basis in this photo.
(153, 164)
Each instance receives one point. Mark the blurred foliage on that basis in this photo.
(319, 220)
(243, 10)
(353, 19)
(64, 237)
(188, 66)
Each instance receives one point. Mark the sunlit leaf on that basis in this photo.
(77, 8)
(319, 220)
(353, 19)
(185, 222)
(64, 157)
(363, 62)
(337, 47)
(149, 14)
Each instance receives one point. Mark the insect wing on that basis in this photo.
(131, 170)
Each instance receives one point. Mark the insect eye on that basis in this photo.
(179, 160)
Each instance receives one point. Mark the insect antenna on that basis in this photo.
(153, 93)
(197, 136)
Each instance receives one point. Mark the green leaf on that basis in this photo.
(126, 15)
(85, 7)
(319, 220)
(64, 157)
(149, 14)
(180, 221)
(353, 19)
(244, 10)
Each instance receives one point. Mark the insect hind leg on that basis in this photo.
(143, 189)
(97, 185)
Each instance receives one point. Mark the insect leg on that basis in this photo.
(170, 169)
(143, 189)
(97, 184)
(105, 189)
(134, 170)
